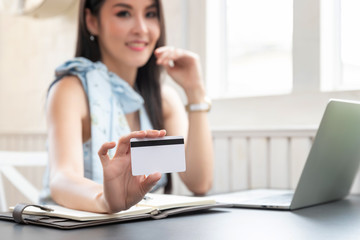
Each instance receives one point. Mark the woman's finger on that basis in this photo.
(150, 181)
(162, 132)
(164, 57)
(124, 142)
(155, 133)
(103, 152)
(176, 57)
(162, 49)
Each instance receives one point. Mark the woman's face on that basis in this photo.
(128, 31)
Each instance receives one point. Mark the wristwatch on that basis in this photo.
(199, 107)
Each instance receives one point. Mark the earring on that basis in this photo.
(92, 38)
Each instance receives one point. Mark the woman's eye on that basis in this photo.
(152, 14)
(123, 14)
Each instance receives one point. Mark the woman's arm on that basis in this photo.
(67, 112)
(195, 127)
(68, 127)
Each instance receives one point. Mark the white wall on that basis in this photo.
(30, 49)
(287, 110)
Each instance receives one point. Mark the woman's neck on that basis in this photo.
(125, 72)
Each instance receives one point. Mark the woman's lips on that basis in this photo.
(137, 46)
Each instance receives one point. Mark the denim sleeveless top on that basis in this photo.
(110, 98)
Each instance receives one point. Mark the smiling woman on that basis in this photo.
(111, 92)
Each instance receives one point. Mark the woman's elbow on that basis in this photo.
(55, 189)
(201, 189)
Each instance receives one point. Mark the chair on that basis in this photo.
(9, 161)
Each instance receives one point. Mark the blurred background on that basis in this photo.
(270, 68)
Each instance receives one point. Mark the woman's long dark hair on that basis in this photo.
(148, 76)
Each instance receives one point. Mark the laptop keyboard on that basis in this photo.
(282, 199)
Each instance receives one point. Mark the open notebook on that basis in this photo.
(153, 206)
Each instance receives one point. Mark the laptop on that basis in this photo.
(330, 168)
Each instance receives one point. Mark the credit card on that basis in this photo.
(164, 155)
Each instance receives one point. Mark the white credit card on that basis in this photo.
(164, 155)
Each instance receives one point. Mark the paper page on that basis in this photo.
(165, 201)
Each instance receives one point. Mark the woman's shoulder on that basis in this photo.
(76, 65)
(68, 91)
(67, 96)
(80, 68)
(69, 86)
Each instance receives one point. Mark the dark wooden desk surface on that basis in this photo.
(337, 220)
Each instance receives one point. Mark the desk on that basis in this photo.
(337, 220)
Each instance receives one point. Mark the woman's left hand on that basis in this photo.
(182, 65)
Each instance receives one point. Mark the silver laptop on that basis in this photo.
(329, 171)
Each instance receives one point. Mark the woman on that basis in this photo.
(112, 91)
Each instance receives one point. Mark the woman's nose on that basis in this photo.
(140, 25)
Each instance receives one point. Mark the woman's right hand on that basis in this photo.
(121, 189)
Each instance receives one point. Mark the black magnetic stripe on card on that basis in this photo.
(150, 143)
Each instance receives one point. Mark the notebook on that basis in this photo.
(330, 168)
(153, 206)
